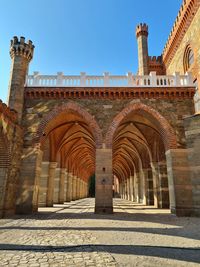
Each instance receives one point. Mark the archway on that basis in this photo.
(62, 158)
(139, 137)
(67, 139)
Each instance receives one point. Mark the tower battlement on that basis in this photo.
(155, 59)
(18, 47)
(141, 29)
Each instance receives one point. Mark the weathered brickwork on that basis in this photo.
(11, 138)
(104, 111)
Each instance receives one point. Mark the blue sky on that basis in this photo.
(82, 35)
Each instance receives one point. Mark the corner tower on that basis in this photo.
(21, 54)
(142, 36)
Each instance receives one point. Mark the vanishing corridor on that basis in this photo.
(72, 235)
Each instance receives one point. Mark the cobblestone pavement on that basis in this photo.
(72, 235)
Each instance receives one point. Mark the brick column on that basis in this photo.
(131, 188)
(50, 183)
(180, 189)
(28, 187)
(61, 198)
(104, 181)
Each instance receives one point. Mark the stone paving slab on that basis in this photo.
(72, 235)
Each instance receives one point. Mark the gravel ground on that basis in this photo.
(72, 235)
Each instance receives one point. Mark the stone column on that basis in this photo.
(136, 187)
(69, 187)
(56, 185)
(120, 190)
(150, 195)
(104, 181)
(192, 133)
(81, 188)
(128, 189)
(50, 183)
(141, 186)
(74, 187)
(62, 185)
(43, 184)
(123, 189)
(131, 188)
(78, 188)
(156, 184)
(84, 189)
(163, 182)
(180, 189)
(28, 187)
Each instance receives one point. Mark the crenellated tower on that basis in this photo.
(142, 40)
(21, 54)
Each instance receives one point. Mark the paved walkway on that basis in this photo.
(72, 235)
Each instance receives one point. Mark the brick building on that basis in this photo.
(139, 134)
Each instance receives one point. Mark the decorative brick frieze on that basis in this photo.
(108, 93)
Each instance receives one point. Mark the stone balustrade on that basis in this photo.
(107, 80)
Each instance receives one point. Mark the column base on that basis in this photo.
(49, 205)
(182, 212)
(103, 210)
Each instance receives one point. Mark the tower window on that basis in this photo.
(188, 58)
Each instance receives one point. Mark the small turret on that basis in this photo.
(142, 29)
(142, 35)
(21, 54)
(20, 48)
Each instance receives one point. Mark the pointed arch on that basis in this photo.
(166, 131)
(70, 107)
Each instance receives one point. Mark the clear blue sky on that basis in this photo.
(82, 35)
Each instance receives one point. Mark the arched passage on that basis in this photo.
(68, 137)
(139, 137)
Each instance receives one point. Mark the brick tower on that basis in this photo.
(142, 35)
(21, 54)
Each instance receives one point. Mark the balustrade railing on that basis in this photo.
(107, 80)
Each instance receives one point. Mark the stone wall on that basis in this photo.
(104, 111)
(192, 128)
